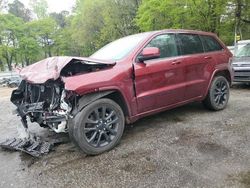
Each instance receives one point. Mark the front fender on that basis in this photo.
(85, 100)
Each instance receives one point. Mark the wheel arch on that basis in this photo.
(114, 95)
(226, 73)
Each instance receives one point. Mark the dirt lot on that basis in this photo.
(184, 147)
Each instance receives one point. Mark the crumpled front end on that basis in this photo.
(46, 104)
(41, 96)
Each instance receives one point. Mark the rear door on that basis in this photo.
(197, 64)
(160, 82)
(214, 50)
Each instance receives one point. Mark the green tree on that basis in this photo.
(154, 14)
(210, 15)
(10, 28)
(60, 18)
(40, 8)
(87, 25)
(118, 20)
(45, 30)
(98, 22)
(18, 9)
(29, 49)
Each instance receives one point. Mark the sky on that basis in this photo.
(55, 5)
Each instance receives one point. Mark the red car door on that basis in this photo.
(197, 64)
(160, 82)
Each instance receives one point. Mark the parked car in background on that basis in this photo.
(14, 82)
(3, 81)
(11, 82)
(130, 78)
(241, 64)
(242, 43)
(231, 48)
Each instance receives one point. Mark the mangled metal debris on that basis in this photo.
(34, 147)
(42, 96)
(50, 96)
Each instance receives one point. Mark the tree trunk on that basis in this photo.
(1, 65)
(49, 52)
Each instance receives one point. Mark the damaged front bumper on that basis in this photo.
(44, 104)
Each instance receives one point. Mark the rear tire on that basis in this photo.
(218, 94)
(98, 127)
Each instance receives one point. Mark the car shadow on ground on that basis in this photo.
(177, 115)
(244, 86)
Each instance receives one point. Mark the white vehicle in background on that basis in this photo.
(240, 44)
(231, 48)
(241, 62)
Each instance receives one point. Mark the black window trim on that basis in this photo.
(222, 47)
(163, 58)
(181, 42)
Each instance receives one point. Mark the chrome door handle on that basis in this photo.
(208, 57)
(176, 63)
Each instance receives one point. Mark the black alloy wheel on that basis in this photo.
(99, 126)
(218, 94)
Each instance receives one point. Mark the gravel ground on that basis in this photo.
(185, 147)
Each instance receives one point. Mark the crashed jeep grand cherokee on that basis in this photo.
(139, 75)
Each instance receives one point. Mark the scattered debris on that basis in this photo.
(34, 147)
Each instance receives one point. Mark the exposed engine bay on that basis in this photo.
(48, 103)
(43, 103)
(42, 98)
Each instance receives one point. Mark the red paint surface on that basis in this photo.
(159, 84)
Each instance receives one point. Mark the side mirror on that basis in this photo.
(149, 53)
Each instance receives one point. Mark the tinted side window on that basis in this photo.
(190, 44)
(167, 45)
(210, 44)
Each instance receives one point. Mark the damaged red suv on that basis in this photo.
(133, 77)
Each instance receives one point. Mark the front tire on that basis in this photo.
(218, 94)
(99, 127)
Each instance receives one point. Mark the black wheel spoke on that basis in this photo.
(99, 139)
(217, 90)
(110, 115)
(89, 129)
(103, 112)
(90, 121)
(217, 99)
(111, 131)
(92, 137)
(224, 88)
(113, 121)
(97, 115)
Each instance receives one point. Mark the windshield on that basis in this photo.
(120, 48)
(244, 51)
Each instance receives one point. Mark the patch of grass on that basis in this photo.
(244, 178)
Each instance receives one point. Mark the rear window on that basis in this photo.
(210, 44)
(190, 44)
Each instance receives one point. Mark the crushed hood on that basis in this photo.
(50, 68)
